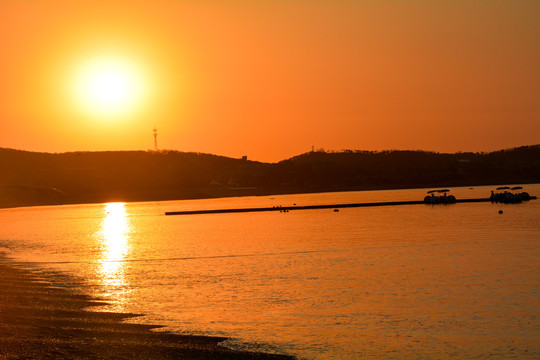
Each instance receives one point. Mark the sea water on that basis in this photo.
(395, 282)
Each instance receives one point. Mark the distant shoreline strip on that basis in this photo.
(314, 207)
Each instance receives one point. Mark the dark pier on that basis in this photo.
(313, 207)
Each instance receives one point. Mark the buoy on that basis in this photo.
(336, 210)
(500, 211)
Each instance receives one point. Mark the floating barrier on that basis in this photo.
(314, 207)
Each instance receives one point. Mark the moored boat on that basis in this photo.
(439, 199)
(509, 195)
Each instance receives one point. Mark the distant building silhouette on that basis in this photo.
(155, 140)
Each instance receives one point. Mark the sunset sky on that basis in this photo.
(269, 79)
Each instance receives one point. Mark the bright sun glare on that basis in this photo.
(109, 86)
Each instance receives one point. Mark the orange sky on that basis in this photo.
(269, 79)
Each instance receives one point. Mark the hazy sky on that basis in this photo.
(269, 79)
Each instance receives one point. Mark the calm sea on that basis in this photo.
(399, 282)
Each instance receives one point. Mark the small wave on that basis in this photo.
(193, 257)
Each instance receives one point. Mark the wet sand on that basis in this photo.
(40, 321)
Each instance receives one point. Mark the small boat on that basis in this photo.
(509, 197)
(439, 199)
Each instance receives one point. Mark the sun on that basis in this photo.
(109, 86)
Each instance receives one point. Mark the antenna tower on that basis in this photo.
(155, 139)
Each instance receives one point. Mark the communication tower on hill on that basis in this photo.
(155, 139)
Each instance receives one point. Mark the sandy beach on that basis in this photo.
(41, 321)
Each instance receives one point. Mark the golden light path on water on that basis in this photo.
(114, 241)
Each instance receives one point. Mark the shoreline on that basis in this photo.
(38, 320)
(132, 198)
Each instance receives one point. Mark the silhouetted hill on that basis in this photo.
(30, 178)
(412, 169)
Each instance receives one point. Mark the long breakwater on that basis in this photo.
(314, 207)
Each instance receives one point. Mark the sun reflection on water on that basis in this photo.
(114, 238)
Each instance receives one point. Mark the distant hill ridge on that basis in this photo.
(31, 178)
